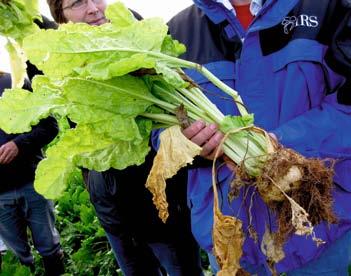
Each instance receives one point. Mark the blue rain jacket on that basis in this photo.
(287, 75)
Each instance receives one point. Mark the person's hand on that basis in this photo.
(206, 136)
(8, 152)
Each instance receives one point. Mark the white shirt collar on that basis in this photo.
(255, 6)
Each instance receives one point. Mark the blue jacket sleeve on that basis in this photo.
(155, 138)
(321, 132)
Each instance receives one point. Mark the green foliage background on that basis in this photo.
(86, 248)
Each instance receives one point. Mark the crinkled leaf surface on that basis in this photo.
(175, 152)
(20, 109)
(125, 95)
(100, 51)
(17, 21)
(170, 75)
(172, 47)
(16, 18)
(119, 15)
(234, 122)
(51, 176)
(84, 101)
(80, 145)
(96, 147)
(228, 238)
(107, 132)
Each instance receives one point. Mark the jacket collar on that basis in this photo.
(255, 6)
(216, 9)
(219, 10)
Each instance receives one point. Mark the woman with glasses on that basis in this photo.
(142, 245)
(91, 12)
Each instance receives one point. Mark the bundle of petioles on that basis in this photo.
(119, 81)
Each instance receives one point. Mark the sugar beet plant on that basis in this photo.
(119, 81)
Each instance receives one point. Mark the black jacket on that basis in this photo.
(124, 205)
(21, 170)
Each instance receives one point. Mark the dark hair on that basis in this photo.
(56, 11)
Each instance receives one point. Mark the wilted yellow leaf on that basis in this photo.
(175, 152)
(273, 251)
(228, 239)
(228, 236)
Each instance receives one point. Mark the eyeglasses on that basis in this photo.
(81, 4)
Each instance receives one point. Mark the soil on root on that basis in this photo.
(312, 189)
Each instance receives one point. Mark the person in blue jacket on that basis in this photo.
(290, 60)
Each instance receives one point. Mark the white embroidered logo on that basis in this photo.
(290, 22)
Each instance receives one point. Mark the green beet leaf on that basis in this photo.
(91, 147)
(98, 51)
(119, 16)
(16, 18)
(21, 109)
(17, 21)
(125, 95)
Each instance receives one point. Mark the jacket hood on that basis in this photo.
(215, 9)
(217, 12)
(212, 8)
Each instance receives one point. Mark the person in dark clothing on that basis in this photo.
(140, 241)
(21, 207)
(125, 210)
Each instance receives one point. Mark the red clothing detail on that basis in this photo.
(244, 15)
